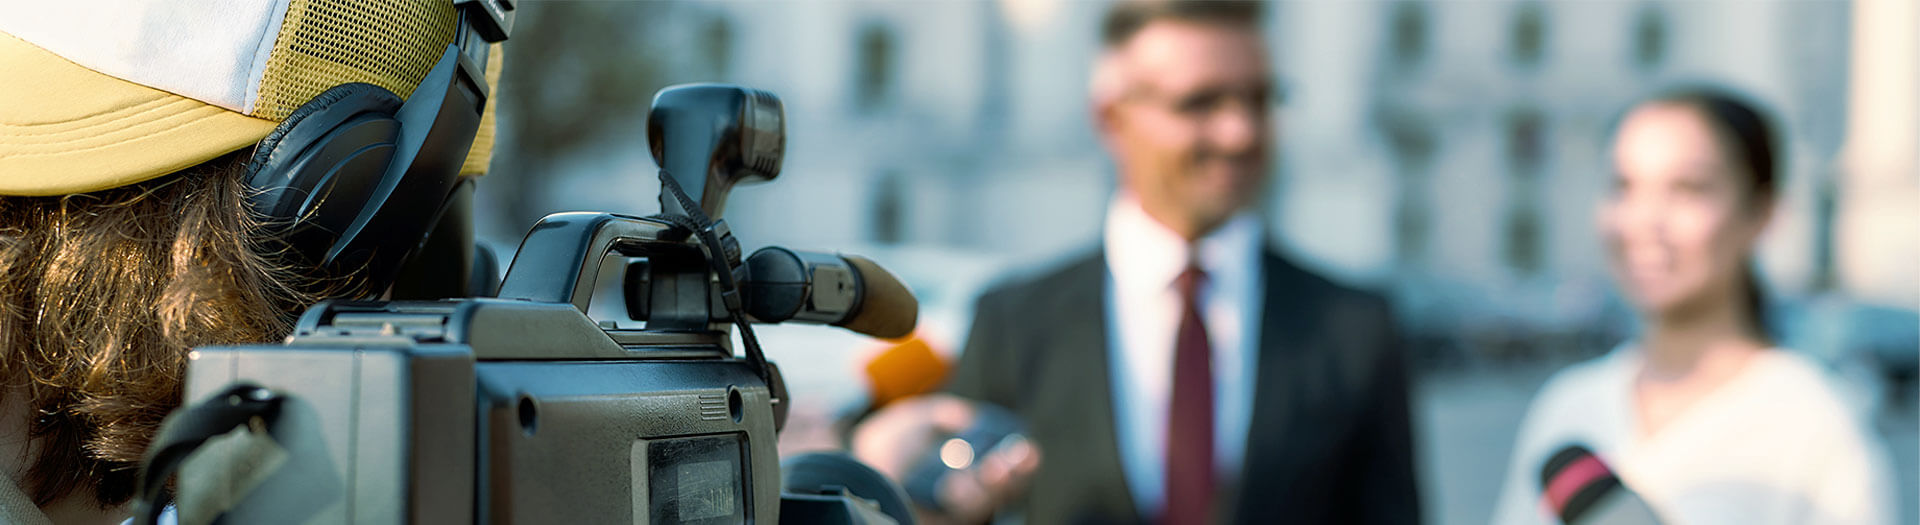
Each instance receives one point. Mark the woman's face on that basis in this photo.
(1682, 216)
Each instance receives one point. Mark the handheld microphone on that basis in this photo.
(1581, 490)
(905, 369)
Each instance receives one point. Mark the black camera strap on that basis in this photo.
(723, 255)
(238, 406)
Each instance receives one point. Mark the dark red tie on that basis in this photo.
(1190, 478)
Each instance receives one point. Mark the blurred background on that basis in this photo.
(1447, 153)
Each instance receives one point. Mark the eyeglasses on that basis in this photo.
(1204, 104)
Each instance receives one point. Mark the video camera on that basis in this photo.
(520, 408)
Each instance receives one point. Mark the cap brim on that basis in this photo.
(67, 129)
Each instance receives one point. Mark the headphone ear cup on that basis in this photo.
(310, 176)
(356, 97)
(355, 179)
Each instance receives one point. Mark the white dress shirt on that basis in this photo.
(1143, 310)
(1775, 445)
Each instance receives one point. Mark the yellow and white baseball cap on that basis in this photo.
(97, 94)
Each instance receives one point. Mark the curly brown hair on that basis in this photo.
(101, 297)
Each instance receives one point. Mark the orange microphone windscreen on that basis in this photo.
(909, 368)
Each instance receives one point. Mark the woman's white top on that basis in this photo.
(1774, 445)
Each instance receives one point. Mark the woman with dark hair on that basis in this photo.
(1701, 415)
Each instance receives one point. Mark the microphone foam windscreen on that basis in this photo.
(909, 368)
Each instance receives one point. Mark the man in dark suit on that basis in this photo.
(1328, 441)
(1184, 372)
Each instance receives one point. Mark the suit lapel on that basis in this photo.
(1064, 391)
(1285, 329)
(1082, 349)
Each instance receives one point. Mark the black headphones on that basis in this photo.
(355, 179)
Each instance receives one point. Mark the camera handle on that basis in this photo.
(561, 256)
(558, 260)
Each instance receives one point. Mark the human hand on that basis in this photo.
(898, 439)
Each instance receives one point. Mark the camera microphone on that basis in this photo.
(1581, 490)
(848, 291)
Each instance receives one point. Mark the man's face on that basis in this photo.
(1189, 128)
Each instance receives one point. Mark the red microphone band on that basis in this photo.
(1577, 475)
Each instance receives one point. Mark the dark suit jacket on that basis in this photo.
(1329, 440)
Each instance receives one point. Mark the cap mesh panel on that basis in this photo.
(325, 43)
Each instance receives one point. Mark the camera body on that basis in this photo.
(498, 411)
(522, 409)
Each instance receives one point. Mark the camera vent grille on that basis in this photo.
(713, 407)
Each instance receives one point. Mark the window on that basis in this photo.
(1526, 141)
(889, 214)
(1410, 135)
(1528, 36)
(717, 46)
(1410, 225)
(1650, 37)
(1408, 32)
(874, 66)
(1523, 242)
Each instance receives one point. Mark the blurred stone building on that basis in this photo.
(1450, 152)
